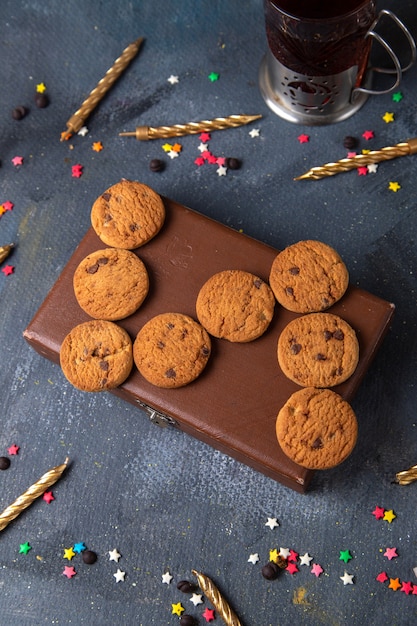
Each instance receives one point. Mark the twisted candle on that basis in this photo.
(34, 491)
(77, 120)
(213, 594)
(408, 476)
(5, 251)
(374, 156)
(143, 133)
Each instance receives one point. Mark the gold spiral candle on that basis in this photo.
(5, 251)
(213, 594)
(406, 477)
(77, 120)
(404, 148)
(34, 491)
(143, 133)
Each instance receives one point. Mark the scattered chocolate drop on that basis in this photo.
(233, 164)
(188, 620)
(4, 463)
(89, 557)
(270, 571)
(41, 100)
(19, 113)
(186, 586)
(350, 142)
(156, 165)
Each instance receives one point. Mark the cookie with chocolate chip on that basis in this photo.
(171, 350)
(111, 284)
(128, 215)
(308, 276)
(318, 350)
(235, 305)
(96, 356)
(316, 428)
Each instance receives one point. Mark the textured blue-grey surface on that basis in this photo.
(165, 501)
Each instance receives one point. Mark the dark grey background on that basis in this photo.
(164, 500)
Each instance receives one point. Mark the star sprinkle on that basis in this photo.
(305, 559)
(167, 147)
(7, 206)
(69, 553)
(172, 154)
(166, 578)
(69, 572)
(292, 568)
(196, 599)
(177, 147)
(388, 117)
(284, 552)
(394, 584)
(199, 161)
(303, 138)
(97, 146)
(77, 170)
(213, 76)
(368, 134)
(177, 609)
(173, 79)
(203, 147)
(407, 587)
(397, 96)
(316, 569)
(293, 556)
(204, 137)
(378, 512)
(14, 449)
(17, 160)
(382, 577)
(372, 168)
(114, 555)
(345, 556)
(347, 579)
(389, 516)
(8, 269)
(209, 615)
(254, 132)
(274, 555)
(391, 553)
(83, 131)
(24, 548)
(393, 186)
(272, 522)
(253, 558)
(119, 575)
(48, 496)
(79, 547)
(221, 170)
(41, 87)
(362, 170)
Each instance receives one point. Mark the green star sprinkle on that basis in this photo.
(213, 76)
(345, 556)
(397, 96)
(24, 548)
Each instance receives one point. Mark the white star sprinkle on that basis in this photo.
(284, 552)
(196, 598)
(203, 147)
(166, 578)
(305, 559)
(372, 168)
(253, 558)
(347, 579)
(221, 170)
(83, 131)
(114, 556)
(173, 79)
(173, 154)
(254, 132)
(272, 522)
(119, 575)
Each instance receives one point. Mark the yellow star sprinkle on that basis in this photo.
(41, 87)
(393, 186)
(365, 151)
(389, 515)
(273, 555)
(167, 147)
(388, 117)
(177, 609)
(69, 553)
(97, 146)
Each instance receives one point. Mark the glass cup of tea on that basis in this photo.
(317, 66)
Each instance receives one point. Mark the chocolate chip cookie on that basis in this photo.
(308, 276)
(96, 356)
(235, 305)
(316, 428)
(318, 350)
(127, 215)
(110, 284)
(171, 350)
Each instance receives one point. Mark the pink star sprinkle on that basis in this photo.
(221, 160)
(316, 569)
(368, 134)
(14, 449)
(7, 206)
(208, 615)
(378, 512)
(69, 572)
(48, 497)
(8, 269)
(407, 587)
(205, 137)
(350, 155)
(17, 160)
(363, 170)
(391, 553)
(303, 138)
(77, 170)
(382, 577)
(292, 568)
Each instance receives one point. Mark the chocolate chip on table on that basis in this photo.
(4, 463)
(89, 557)
(350, 142)
(233, 164)
(186, 586)
(41, 100)
(156, 165)
(270, 571)
(19, 113)
(188, 620)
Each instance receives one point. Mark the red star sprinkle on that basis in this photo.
(77, 170)
(48, 496)
(208, 615)
(206, 154)
(368, 134)
(378, 512)
(14, 449)
(415, 590)
(316, 569)
(7, 206)
(292, 568)
(8, 269)
(293, 556)
(69, 572)
(363, 170)
(199, 161)
(17, 160)
(407, 587)
(205, 137)
(303, 138)
(382, 577)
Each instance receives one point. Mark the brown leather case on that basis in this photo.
(234, 404)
